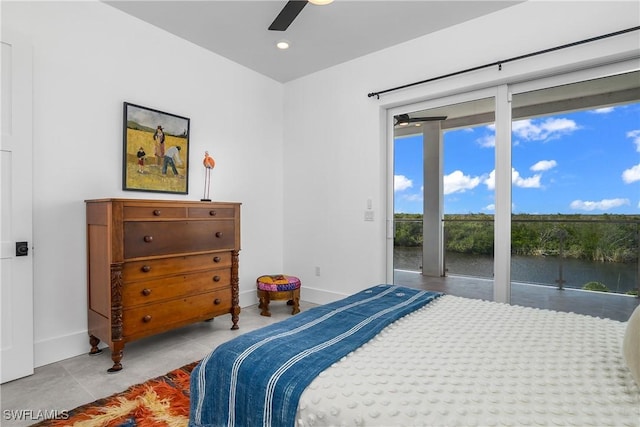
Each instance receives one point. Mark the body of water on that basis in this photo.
(618, 277)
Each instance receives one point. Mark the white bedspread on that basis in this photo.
(465, 362)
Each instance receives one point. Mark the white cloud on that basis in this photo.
(602, 205)
(516, 179)
(490, 182)
(415, 197)
(632, 174)
(490, 207)
(604, 110)
(456, 182)
(547, 129)
(559, 125)
(530, 130)
(487, 141)
(531, 182)
(544, 165)
(635, 135)
(401, 182)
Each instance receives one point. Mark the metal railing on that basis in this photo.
(593, 254)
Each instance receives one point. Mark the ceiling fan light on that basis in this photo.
(320, 2)
(402, 120)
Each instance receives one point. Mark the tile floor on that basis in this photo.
(82, 379)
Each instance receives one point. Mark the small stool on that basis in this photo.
(278, 287)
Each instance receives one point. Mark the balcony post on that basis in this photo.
(638, 259)
(560, 280)
(433, 199)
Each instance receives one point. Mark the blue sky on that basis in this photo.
(585, 162)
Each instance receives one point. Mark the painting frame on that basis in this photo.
(155, 153)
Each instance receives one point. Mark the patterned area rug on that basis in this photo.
(162, 401)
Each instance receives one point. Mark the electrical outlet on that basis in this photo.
(368, 215)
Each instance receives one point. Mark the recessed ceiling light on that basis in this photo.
(282, 44)
(320, 2)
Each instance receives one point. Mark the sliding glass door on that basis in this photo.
(521, 186)
(576, 194)
(443, 192)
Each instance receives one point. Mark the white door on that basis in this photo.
(16, 181)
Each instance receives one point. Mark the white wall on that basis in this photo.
(335, 145)
(88, 59)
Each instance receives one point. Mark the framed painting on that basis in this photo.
(156, 151)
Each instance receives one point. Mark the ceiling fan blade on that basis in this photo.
(287, 15)
(427, 119)
(404, 119)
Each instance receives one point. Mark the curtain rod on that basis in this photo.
(504, 61)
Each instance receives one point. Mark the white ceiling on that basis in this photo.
(320, 37)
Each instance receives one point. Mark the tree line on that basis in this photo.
(604, 238)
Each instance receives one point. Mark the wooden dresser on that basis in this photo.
(155, 265)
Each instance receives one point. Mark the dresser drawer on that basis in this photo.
(141, 270)
(161, 238)
(151, 291)
(147, 319)
(154, 212)
(212, 212)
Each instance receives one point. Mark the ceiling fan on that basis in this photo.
(290, 11)
(404, 119)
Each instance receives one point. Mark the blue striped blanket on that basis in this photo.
(257, 378)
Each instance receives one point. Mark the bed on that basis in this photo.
(395, 356)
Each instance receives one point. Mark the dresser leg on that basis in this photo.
(235, 316)
(94, 341)
(116, 356)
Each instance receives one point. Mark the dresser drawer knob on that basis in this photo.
(217, 301)
(148, 239)
(219, 234)
(213, 213)
(157, 212)
(146, 268)
(216, 259)
(216, 278)
(146, 292)
(147, 318)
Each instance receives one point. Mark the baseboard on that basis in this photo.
(320, 296)
(59, 348)
(63, 347)
(248, 298)
(312, 295)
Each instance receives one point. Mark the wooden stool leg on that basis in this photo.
(296, 302)
(264, 303)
